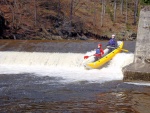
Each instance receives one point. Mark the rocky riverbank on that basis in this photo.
(56, 20)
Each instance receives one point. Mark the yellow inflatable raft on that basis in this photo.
(105, 58)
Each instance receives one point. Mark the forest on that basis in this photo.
(69, 19)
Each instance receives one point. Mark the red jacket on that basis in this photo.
(100, 53)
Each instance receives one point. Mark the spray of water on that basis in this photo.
(67, 66)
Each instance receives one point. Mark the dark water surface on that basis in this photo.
(54, 46)
(29, 93)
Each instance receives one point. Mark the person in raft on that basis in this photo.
(112, 44)
(99, 52)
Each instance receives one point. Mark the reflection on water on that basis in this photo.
(104, 103)
(29, 93)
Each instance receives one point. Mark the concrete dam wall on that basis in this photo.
(139, 70)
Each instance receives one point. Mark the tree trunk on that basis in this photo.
(135, 11)
(71, 16)
(94, 17)
(126, 11)
(102, 13)
(121, 7)
(58, 8)
(105, 6)
(114, 10)
(35, 13)
(71, 11)
(14, 8)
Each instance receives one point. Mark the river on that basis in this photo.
(48, 77)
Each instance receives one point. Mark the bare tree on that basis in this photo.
(74, 6)
(121, 6)
(102, 13)
(126, 11)
(35, 13)
(94, 17)
(114, 10)
(15, 13)
(71, 16)
(135, 10)
(71, 11)
(103, 2)
(104, 7)
(58, 8)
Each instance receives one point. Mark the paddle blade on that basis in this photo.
(85, 57)
(124, 50)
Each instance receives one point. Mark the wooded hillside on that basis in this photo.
(69, 19)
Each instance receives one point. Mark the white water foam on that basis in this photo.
(139, 83)
(41, 59)
(67, 66)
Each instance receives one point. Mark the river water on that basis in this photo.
(48, 77)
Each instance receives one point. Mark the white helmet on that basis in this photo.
(113, 35)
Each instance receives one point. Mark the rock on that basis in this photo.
(56, 37)
(83, 37)
(2, 25)
(133, 36)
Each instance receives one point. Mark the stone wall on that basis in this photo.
(142, 49)
(140, 69)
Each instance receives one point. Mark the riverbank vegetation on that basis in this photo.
(69, 19)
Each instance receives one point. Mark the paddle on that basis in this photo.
(85, 57)
(125, 50)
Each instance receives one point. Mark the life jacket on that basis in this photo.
(112, 42)
(98, 51)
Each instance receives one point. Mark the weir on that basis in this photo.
(139, 70)
(41, 59)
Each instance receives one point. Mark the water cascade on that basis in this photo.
(67, 66)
